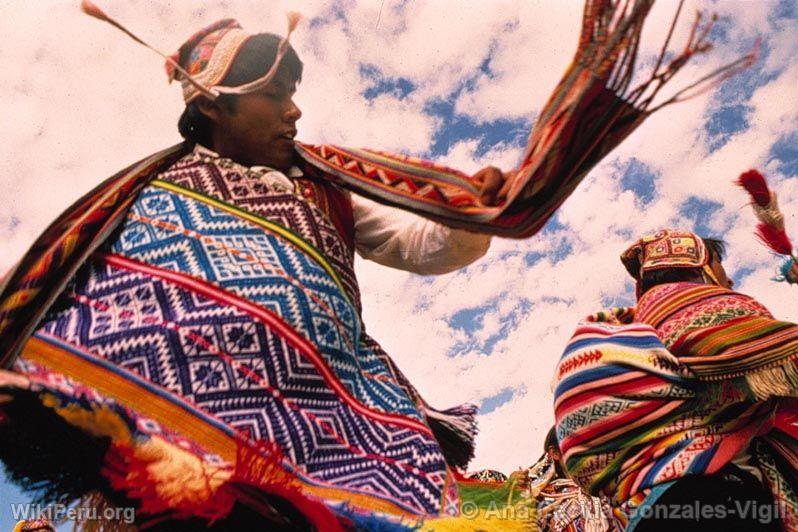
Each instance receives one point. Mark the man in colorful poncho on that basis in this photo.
(681, 410)
(228, 294)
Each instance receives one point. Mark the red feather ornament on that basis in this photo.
(754, 183)
(770, 229)
(774, 238)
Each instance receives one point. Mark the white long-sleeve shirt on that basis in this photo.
(402, 240)
(393, 237)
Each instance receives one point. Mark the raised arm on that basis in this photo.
(401, 240)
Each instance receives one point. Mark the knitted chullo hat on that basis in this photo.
(206, 56)
(203, 60)
(667, 249)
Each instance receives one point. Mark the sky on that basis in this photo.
(460, 82)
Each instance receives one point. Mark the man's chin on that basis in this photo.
(284, 163)
(291, 157)
(282, 160)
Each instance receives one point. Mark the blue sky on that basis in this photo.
(460, 83)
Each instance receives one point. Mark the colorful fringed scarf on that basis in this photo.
(701, 375)
(720, 335)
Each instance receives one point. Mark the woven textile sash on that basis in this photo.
(721, 334)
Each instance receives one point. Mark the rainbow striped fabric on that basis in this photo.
(635, 413)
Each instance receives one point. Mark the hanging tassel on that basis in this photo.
(92, 10)
(455, 429)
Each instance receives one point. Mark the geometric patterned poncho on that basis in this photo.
(224, 314)
(695, 376)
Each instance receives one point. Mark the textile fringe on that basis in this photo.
(608, 46)
(62, 454)
(166, 479)
(698, 42)
(259, 463)
(780, 380)
(260, 466)
(455, 429)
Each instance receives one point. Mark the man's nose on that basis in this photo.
(293, 113)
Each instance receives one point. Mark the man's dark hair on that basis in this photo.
(716, 247)
(551, 440)
(252, 62)
(552, 445)
(717, 251)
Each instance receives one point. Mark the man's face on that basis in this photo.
(260, 128)
(720, 273)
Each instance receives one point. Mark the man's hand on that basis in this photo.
(494, 185)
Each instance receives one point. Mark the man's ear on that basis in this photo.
(210, 109)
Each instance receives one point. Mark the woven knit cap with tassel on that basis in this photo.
(667, 249)
(203, 60)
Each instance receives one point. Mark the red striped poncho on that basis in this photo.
(697, 375)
